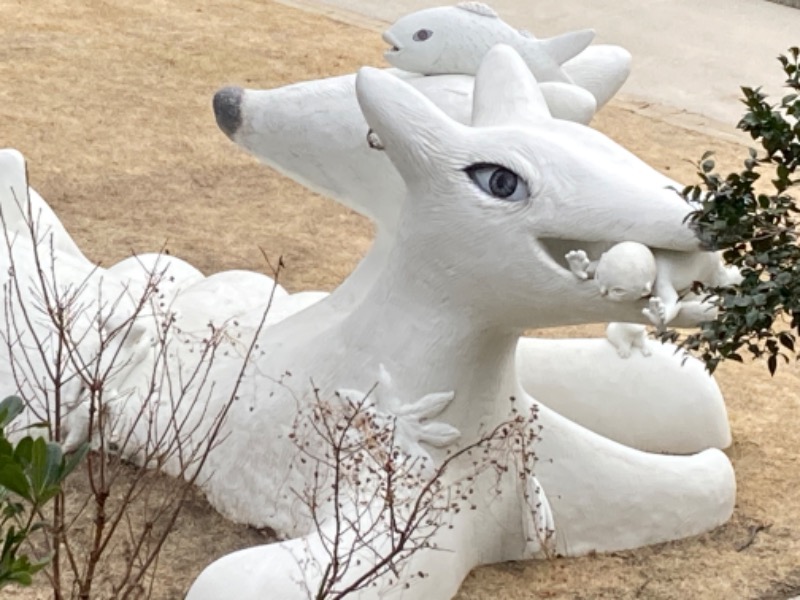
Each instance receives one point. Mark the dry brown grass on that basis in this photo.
(110, 102)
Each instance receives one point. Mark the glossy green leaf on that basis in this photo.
(12, 477)
(10, 408)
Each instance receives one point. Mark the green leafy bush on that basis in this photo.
(757, 232)
(31, 473)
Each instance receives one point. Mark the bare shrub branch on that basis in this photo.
(95, 360)
(374, 505)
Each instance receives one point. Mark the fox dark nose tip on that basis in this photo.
(228, 109)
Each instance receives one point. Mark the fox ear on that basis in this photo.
(411, 128)
(506, 92)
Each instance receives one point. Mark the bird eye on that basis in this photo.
(498, 182)
(422, 35)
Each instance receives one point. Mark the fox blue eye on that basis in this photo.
(498, 182)
(422, 35)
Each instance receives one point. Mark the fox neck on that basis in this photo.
(431, 339)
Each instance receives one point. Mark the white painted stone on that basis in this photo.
(328, 152)
(441, 311)
(625, 272)
(594, 372)
(569, 102)
(33, 276)
(221, 298)
(457, 41)
(454, 40)
(445, 313)
(172, 274)
(22, 206)
(630, 271)
(107, 299)
(413, 422)
(626, 337)
(290, 304)
(601, 69)
(676, 274)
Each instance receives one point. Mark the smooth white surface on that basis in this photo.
(107, 299)
(458, 334)
(25, 216)
(640, 401)
(327, 151)
(454, 39)
(626, 271)
(442, 315)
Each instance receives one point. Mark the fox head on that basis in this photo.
(489, 203)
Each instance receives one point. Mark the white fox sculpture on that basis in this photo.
(663, 404)
(468, 269)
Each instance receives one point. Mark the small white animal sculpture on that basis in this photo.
(630, 271)
(624, 273)
(444, 314)
(676, 277)
(462, 39)
(327, 151)
(454, 40)
(627, 336)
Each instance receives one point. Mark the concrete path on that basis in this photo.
(690, 56)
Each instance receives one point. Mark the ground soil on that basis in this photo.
(111, 103)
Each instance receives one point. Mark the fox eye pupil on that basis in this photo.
(503, 183)
(422, 35)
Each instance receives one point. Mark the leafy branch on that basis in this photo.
(31, 473)
(756, 231)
